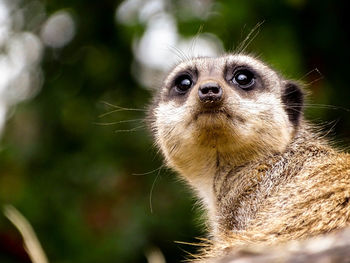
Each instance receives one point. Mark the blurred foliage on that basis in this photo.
(86, 188)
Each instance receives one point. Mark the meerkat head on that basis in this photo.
(233, 108)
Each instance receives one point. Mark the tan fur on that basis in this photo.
(261, 178)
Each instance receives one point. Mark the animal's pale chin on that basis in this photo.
(212, 114)
(212, 125)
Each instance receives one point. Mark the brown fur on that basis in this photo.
(302, 193)
(261, 172)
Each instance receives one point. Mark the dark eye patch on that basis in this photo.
(243, 78)
(180, 85)
(183, 83)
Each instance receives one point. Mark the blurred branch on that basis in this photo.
(31, 242)
(154, 255)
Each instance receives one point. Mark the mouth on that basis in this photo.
(212, 113)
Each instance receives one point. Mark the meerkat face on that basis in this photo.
(233, 106)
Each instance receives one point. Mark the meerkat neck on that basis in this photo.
(233, 191)
(240, 191)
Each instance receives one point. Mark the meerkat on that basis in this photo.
(234, 129)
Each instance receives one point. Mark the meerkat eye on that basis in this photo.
(244, 78)
(183, 83)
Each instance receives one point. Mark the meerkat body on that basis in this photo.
(233, 128)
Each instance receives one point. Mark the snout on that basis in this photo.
(210, 93)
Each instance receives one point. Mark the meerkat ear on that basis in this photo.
(293, 100)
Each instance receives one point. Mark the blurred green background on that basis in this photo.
(86, 188)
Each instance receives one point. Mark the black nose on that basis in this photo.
(210, 92)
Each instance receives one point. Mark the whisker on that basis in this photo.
(118, 110)
(315, 80)
(326, 106)
(249, 38)
(194, 40)
(180, 54)
(307, 105)
(152, 188)
(311, 72)
(116, 122)
(138, 128)
(150, 172)
(335, 122)
(119, 107)
(188, 243)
